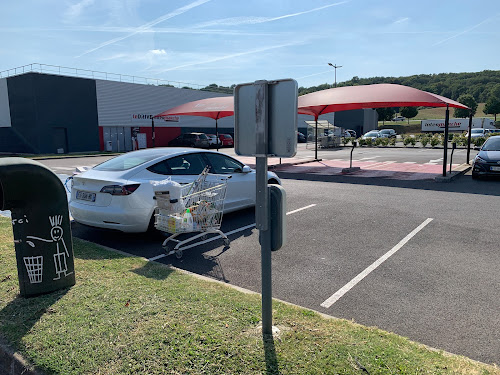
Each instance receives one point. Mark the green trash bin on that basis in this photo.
(38, 203)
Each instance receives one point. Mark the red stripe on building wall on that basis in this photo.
(101, 138)
(163, 135)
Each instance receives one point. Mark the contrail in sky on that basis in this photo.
(465, 31)
(148, 25)
(215, 59)
(255, 20)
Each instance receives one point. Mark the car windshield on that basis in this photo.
(475, 131)
(371, 134)
(492, 144)
(203, 136)
(385, 131)
(124, 162)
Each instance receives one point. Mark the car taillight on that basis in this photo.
(120, 189)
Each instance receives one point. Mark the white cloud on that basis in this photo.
(75, 10)
(158, 52)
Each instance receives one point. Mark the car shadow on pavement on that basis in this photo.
(462, 184)
(202, 259)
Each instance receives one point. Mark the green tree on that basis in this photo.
(469, 101)
(492, 106)
(408, 112)
(385, 114)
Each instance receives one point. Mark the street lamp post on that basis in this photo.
(335, 66)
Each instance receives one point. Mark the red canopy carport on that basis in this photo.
(216, 108)
(374, 96)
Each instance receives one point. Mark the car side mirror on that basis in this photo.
(246, 169)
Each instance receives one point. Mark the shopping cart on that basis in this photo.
(203, 200)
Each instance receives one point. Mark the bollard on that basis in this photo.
(38, 203)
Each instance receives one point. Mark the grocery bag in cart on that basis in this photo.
(199, 210)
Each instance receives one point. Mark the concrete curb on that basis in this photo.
(455, 173)
(305, 161)
(12, 363)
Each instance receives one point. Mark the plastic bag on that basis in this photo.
(168, 195)
(167, 185)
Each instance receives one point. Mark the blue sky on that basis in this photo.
(232, 41)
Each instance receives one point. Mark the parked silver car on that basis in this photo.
(387, 133)
(371, 134)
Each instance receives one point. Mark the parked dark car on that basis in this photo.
(301, 138)
(487, 161)
(199, 140)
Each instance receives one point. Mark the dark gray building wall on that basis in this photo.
(51, 113)
(359, 120)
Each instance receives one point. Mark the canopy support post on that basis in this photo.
(216, 133)
(153, 130)
(445, 143)
(316, 140)
(469, 138)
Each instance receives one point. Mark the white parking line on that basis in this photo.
(300, 209)
(335, 297)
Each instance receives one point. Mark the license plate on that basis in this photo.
(495, 169)
(84, 196)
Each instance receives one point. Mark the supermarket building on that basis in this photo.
(46, 113)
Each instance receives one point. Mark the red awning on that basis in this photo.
(215, 108)
(369, 96)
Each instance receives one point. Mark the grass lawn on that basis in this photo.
(126, 315)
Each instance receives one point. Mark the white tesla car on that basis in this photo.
(117, 194)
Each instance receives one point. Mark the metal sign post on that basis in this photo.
(262, 203)
(267, 113)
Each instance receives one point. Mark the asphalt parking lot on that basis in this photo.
(409, 255)
(355, 251)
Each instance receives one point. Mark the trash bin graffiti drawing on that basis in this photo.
(34, 267)
(62, 253)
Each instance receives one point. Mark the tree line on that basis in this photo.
(450, 85)
(466, 88)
